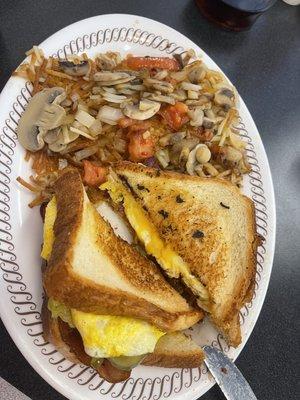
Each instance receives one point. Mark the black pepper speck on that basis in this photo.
(142, 187)
(198, 234)
(179, 199)
(163, 213)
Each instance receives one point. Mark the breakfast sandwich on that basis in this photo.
(107, 305)
(201, 231)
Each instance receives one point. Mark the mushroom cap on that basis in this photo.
(70, 68)
(28, 131)
(193, 157)
(134, 112)
(111, 78)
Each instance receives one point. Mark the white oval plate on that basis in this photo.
(21, 228)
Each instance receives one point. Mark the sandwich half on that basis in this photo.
(199, 230)
(107, 305)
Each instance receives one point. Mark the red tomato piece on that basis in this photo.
(94, 175)
(140, 148)
(175, 116)
(137, 63)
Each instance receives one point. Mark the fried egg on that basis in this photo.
(50, 216)
(113, 336)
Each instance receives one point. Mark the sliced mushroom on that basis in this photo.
(163, 157)
(59, 144)
(224, 97)
(200, 154)
(33, 121)
(40, 137)
(190, 86)
(185, 57)
(70, 68)
(179, 95)
(162, 86)
(57, 147)
(114, 98)
(130, 86)
(108, 78)
(184, 154)
(203, 153)
(51, 117)
(133, 111)
(192, 95)
(208, 123)
(232, 154)
(145, 104)
(68, 136)
(199, 170)
(197, 74)
(52, 135)
(109, 115)
(159, 97)
(109, 89)
(108, 61)
(63, 136)
(104, 76)
(58, 98)
(196, 116)
(161, 74)
(179, 59)
(181, 149)
(210, 169)
(176, 137)
(209, 113)
(190, 143)
(180, 75)
(84, 118)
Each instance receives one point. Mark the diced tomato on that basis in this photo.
(140, 148)
(94, 175)
(134, 124)
(175, 116)
(125, 122)
(140, 126)
(137, 63)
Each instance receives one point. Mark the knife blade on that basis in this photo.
(228, 377)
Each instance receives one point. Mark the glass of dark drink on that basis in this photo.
(235, 15)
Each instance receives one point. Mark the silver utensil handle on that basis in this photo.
(227, 375)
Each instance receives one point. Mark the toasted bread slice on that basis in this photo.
(173, 350)
(211, 226)
(92, 270)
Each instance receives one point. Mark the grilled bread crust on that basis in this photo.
(92, 270)
(175, 350)
(211, 225)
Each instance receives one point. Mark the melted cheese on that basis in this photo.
(168, 259)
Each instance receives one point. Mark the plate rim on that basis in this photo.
(45, 372)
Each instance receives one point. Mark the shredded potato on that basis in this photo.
(196, 105)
